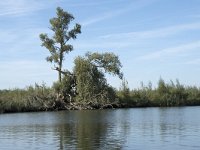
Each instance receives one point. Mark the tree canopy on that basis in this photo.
(92, 85)
(107, 61)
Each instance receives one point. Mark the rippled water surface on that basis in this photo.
(139, 129)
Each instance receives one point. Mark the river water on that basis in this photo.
(139, 129)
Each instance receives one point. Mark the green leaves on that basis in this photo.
(91, 82)
(67, 48)
(48, 43)
(107, 61)
(53, 58)
(77, 30)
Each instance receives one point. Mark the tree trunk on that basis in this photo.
(60, 68)
(59, 76)
(60, 63)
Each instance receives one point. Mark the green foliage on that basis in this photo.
(107, 61)
(57, 45)
(165, 95)
(124, 92)
(140, 97)
(193, 97)
(35, 98)
(91, 82)
(66, 87)
(93, 88)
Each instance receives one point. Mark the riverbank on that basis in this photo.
(43, 98)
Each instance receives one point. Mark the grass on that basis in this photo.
(164, 95)
(33, 98)
(43, 98)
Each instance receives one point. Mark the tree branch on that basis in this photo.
(63, 72)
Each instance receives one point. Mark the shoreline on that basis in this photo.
(89, 107)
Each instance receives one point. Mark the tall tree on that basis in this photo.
(57, 45)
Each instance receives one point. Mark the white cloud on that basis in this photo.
(130, 7)
(7, 36)
(17, 7)
(193, 62)
(23, 7)
(26, 72)
(156, 33)
(100, 44)
(16, 44)
(132, 39)
(104, 16)
(89, 4)
(173, 51)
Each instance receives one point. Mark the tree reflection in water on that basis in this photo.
(91, 130)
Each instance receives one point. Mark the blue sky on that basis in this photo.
(153, 38)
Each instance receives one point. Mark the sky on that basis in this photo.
(153, 38)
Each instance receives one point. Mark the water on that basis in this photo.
(139, 129)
